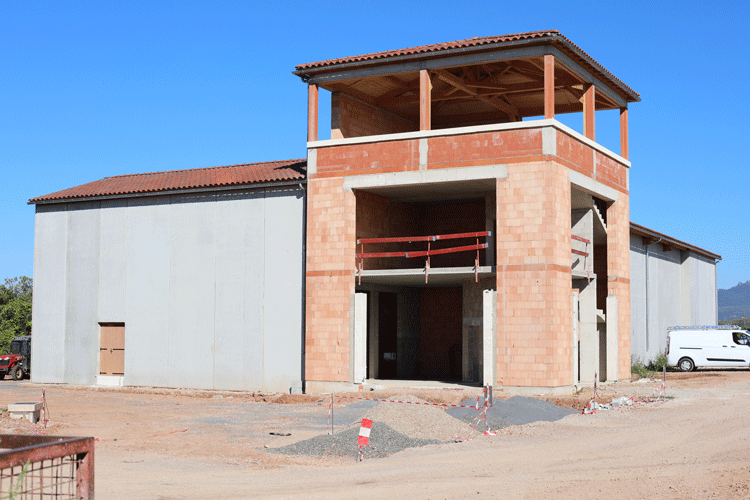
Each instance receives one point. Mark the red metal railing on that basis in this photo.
(46, 467)
(423, 253)
(582, 240)
(580, 252)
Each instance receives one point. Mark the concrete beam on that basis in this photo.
(426, 177)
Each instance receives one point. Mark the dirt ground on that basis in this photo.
(176, 444)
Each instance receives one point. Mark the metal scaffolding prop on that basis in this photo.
(423, 253)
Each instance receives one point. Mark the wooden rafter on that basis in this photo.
(495, 102)
(404, 88)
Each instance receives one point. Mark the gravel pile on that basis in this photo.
(383, 441)
(517, 410)
(417, 421)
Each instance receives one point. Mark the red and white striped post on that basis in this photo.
(364, 436)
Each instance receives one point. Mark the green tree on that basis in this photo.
(15, 310)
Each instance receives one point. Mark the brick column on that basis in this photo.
(331, 249)
(534, 276)
(618, 274)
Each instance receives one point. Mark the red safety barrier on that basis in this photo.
(422, 253)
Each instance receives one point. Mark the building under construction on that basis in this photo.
(452, 236)
(455, 231)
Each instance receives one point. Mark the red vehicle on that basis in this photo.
(18, 362)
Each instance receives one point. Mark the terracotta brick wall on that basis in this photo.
(330, 279)
(618, 271)
(534, 276)
(451, 218)
(484, 148)
(379, 217)
(353, 118)
(532, 255)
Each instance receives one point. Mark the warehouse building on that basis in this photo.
(191, 278)
(451, 229)
(673, 284)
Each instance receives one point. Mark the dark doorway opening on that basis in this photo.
(388, 335)
(441, 322)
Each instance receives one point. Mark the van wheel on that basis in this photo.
(686, 365)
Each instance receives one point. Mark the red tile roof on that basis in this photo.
(463, 44)
(230, 175)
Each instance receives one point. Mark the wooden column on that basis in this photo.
(425, 100)
(549, 86)
(624, 133)
(312, 112)
(589, 99)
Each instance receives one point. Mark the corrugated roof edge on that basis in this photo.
(467, 43)
(272, 172)
(644, 231)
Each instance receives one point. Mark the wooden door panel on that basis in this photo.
(112, 350)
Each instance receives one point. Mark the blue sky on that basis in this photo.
(94, 89)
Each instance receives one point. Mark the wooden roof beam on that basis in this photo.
(497, 103)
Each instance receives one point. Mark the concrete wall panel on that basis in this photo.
(113, 251)
(48, 312)
(240, 261)
(282, 288)
(681, 291)
(703, 299)
(637, 297)
(82, 289)
(147, 339)
(192, 277)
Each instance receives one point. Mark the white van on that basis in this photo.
(689, 347)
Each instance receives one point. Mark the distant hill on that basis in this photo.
(735, 302)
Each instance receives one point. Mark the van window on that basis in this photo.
(741, 338)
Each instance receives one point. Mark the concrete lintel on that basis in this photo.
(419, 177)
(592, 187)
(415, 277)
